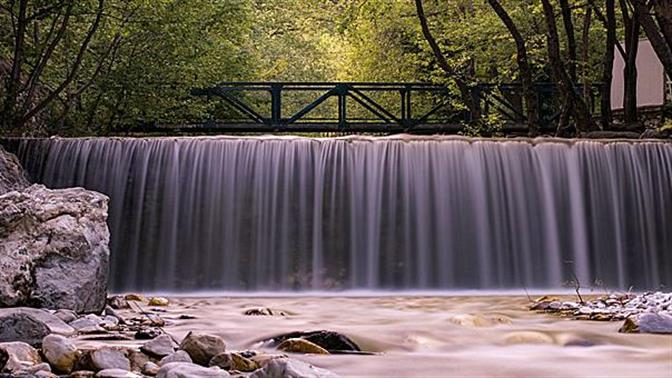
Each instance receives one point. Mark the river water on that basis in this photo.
(434, 336)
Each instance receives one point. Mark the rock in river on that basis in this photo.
(189, 370)
(60, 352)
(160, 346)
(329, 340)
(54, 249)
(301, 346)
(202, 347)
(18, 356)
(105, 358)
(179, 356)
(22, 327)
(648, 323)
(288, 368)
(233, 361)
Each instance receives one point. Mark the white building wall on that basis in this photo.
(650, 78)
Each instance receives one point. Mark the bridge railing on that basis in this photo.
(506, 100)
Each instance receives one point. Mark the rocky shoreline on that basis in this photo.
(41, 343)
(649, 312)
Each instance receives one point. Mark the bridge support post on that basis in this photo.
(406, 115)
(276, 104)
(342, 91)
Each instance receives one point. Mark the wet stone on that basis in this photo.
(19, 355)
(60, 352)
(160, 346)
(188, 370)
(202, 347)
(329, 340)
(116, 373)
(108, 358)
(289, 368)
(118, 302)
(147, 333)
(648, 323)
(82, 374)
(24, 328)
(179, 356)
(158, 301)
(234, 361)
(66, 315)
(264, 311)
(150, 369)
(301, 346)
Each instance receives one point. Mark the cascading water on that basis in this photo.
(372, 213)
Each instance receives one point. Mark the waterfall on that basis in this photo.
(286, 213)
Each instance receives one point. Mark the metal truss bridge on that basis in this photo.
(362, 107)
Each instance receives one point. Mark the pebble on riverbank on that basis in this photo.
(54, 351)
(647, 313)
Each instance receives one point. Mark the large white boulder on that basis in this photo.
(54, 249)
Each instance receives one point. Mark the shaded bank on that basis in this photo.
(370, 213)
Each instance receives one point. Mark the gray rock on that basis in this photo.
(54, 249)
(189, 370)
(22, 327)
(36, 370)
(54, 324)
(137, 359)
(82, 374)
(118, 302)
(66, 315)
(12, 176)
(60, 352)
(202, 347)
(179, 356)
(109, 311)
(233, 361)
(159, 347)
(4, 356)
(648, 323)
(330, 340)
(109, 322)
(45, 374)
(264, 311)
(86, 323)
(109, 358)
(150, 369)
(18, 356)
(288, 368)
(116, 373)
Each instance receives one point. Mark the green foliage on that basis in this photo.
(148, 54)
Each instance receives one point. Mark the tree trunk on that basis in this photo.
(529, 98)
(662, 10)
(8, 116)
(571, 39)
(631, 26)
(585, 53)
(660, 43)
(566, 86)
(468, 97)
(608, 64)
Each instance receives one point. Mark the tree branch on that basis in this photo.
(75, 68)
